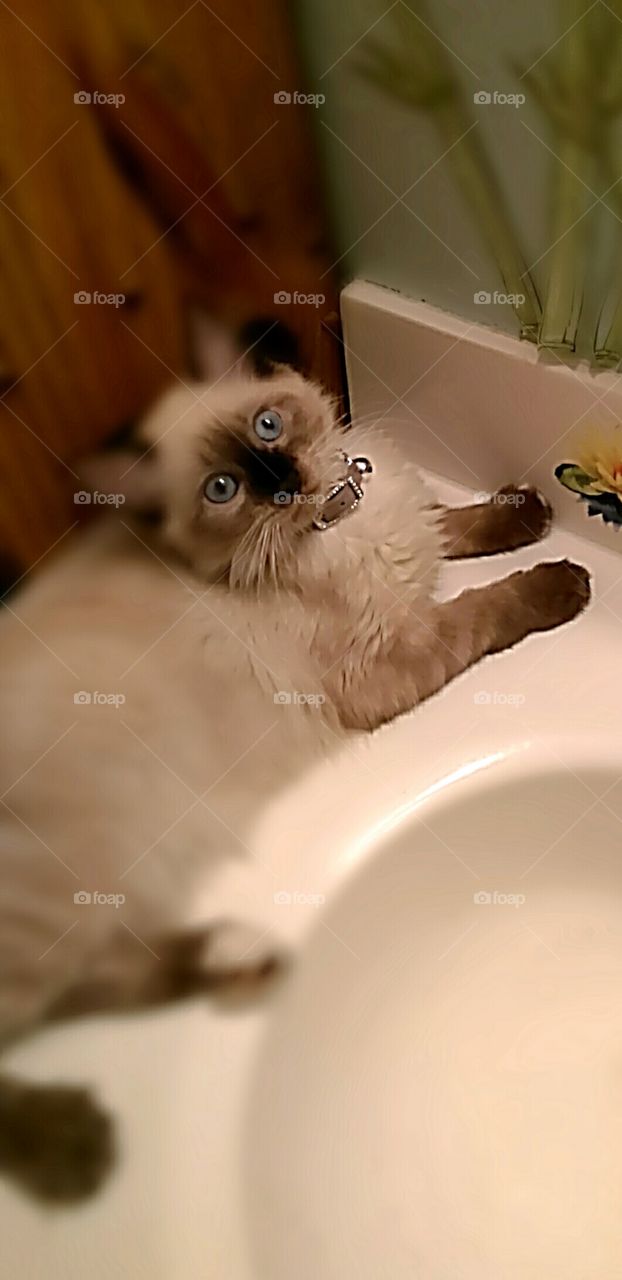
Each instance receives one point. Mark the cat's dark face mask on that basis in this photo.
(266, 469)
(242, 471)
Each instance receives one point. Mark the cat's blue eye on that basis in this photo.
(220, 488)
(268, 425)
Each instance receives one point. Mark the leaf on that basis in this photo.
(575, 479)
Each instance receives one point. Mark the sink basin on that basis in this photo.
(439, 1092)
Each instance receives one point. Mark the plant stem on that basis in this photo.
(570, 99)
(417, 72)
(478, 182)
(608, 349)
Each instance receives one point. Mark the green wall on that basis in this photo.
(373, 148)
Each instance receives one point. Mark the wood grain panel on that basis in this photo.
(88, 196)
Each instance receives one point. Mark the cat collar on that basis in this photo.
(346, 494)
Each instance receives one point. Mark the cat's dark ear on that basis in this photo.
(269, 345)
(262, 346)
(124, 477)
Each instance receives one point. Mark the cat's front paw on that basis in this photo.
(55, 1141)
(533, 514)
(556, 592)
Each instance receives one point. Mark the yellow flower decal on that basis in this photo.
(597, 475)
(600, 456)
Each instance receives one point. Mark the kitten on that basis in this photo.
(140, 675)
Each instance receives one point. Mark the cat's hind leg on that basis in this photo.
(55, 1141)
(511, 518)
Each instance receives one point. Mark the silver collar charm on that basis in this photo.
(346, 494)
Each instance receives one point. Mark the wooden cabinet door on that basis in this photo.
(144, 166)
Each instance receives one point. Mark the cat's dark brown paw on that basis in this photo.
(513, 517)
(223, 959)
(556, 592)
(55, 1141)
(533, 514)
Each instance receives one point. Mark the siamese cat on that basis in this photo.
(144, 680)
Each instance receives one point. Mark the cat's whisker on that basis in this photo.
(380, 422)
(275, 546)
(245, 548)
(262, 556)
